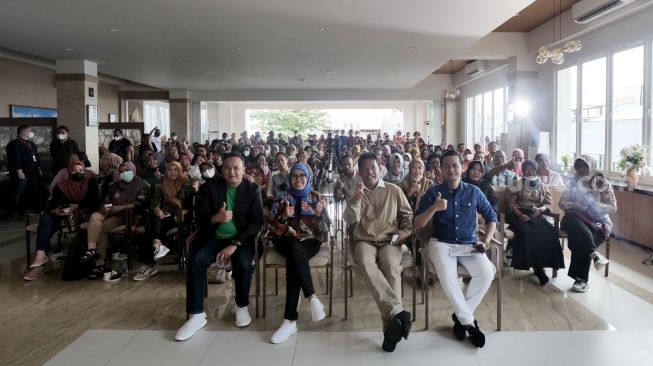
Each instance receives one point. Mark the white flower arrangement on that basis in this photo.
(633, 157)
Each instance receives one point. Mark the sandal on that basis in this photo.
(96, 273)
(90, 255)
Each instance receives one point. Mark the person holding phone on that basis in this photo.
(68, 196)
(170, 197)
(453, 206)
(377, 211)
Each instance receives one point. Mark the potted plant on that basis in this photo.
(566, 159)
(631, 160)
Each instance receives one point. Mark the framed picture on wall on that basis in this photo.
(112, 117)
(91, 115)
(21, 111)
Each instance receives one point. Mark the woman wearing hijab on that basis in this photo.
(299, 224)
(474, 176)
(78, 192)
(173, 194)
(536, 242)
(127, 193)
(396, 171)
(415, 184)
(588, 200)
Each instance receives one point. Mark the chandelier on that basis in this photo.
(557, 55)
(451, 93)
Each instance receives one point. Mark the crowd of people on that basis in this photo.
(233, 188)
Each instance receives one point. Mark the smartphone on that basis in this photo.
(394, 239)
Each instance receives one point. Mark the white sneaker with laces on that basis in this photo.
(242, 317)
(160, 251)
(194, 323)
(284, 332)
(317, 310)
(221, 276)
(580, 286)
(599, 261)
(145, 272)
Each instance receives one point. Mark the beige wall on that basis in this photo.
(108, 101)
(25, 84)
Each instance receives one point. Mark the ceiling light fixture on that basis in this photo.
(557, 55)
(329, 72)
(68, 49)
(451, 93)
(323, 28)
(414, 48)
(238, 49)
(114, 30)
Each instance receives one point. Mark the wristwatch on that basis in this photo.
(236, 243)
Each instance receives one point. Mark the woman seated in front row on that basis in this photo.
(536, 242)
(170, 197)
(77, 192)
(127, 193)
(474, 176)
(300, 221)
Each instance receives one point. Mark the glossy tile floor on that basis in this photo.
(132, 323)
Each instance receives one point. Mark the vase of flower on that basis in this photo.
(632, 177)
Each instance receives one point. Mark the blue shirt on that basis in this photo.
(457, 224)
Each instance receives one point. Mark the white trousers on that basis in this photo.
(479, 267)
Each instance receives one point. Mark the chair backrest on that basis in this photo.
(501, 194)
(556, 192)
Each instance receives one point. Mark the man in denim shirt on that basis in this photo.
(453, 206)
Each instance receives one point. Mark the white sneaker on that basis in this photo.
(221, 276)
(229, 275)
(145, 272)
(160, 251)
(284, 332)
(194, 323)
(242, 317)
(599, 261)
(317, 310)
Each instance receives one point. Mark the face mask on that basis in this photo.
(30, 135)
(76, 177)
(117, 138)
(127, 176)
(61, 136)
(208, 173)
(469, 157)
(246, 153)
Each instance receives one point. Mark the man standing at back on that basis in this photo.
(383, 222)
(24, 170)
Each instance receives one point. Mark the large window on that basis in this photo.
(614, 96)
(592, 142)
(156, 114)
(627, 100)
(485, 116)
(567, 107)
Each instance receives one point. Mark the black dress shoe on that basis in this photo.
(475, 335)
(392, 335)
(406, 323)
(458, 329)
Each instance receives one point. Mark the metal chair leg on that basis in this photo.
(607, 256)
(276, 281)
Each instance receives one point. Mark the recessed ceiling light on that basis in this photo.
(301, 80)
(113, 30)
(329, 72)
(414, 48)
(237, 49)
(205, 72)
(68, 49)
(324, 28)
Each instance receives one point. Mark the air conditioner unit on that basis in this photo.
(586, 11)
(475, 67)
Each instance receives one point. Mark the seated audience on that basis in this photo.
(474, 176)
(536, 242)
(379, 211)
(347, 181)
(396, 172)
(501, 175)
(548, 176)
(229, 215)
(299, 226)
(588, 201)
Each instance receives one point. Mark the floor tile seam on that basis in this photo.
(123, 347)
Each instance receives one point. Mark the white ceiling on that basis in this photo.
(191, 44)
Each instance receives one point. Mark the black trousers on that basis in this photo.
(155, 228)
(582, 242)
(200, 260)
(298, 273)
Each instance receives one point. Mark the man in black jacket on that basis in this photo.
(24, 170)
(229, 215)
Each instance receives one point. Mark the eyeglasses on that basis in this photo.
(298, 176)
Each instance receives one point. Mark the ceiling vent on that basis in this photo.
(475, 68)
(586, 11)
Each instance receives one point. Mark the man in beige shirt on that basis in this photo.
(378, 211)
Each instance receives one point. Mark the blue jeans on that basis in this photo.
(200, 260)
(48, 225)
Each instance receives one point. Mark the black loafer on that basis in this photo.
(475, 335)
(458, 329)
(406, 322)
(392, 335)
